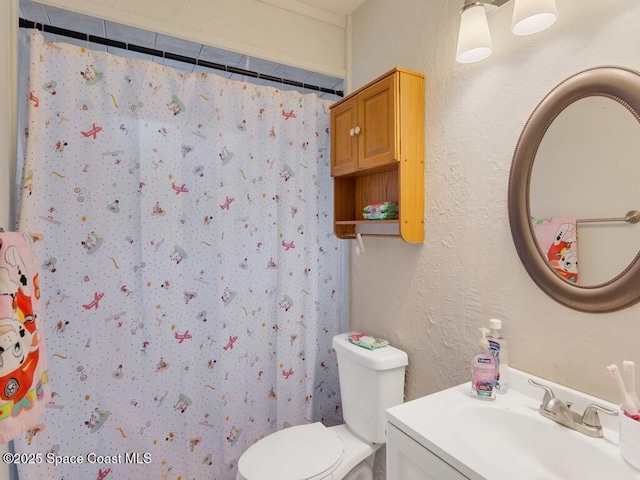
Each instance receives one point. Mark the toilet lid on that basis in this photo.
(296, 453)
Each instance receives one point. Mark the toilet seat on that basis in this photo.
(297, 453)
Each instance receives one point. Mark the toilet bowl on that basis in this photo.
(308, 452)
(370, 382)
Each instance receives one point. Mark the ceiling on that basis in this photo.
(49, 15)
(343, 7)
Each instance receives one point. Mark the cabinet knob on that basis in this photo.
(352, 132)
(356, 130)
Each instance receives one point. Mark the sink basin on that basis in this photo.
(542, 447)
(508, 438)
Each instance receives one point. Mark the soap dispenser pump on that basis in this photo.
(483, 370)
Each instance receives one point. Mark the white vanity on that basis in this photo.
(450, 435)
(409, 460)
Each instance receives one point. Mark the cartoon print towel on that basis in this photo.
(558, 240)
(24, 389)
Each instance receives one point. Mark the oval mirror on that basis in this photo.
(575, 156)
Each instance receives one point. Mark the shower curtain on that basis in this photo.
(189, 273)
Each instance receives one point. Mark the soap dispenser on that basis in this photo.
(483, 370)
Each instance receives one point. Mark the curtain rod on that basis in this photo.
(171, 56)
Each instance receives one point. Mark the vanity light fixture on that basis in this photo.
(474, 37)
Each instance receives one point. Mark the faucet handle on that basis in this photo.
(548, 393)
(590, 415)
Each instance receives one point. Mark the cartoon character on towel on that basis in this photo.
(567, 266)
(18, 359)
(19, 340)
(560, 256)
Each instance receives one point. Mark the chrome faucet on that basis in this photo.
(560, 412)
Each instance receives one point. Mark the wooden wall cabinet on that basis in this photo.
(377, 153)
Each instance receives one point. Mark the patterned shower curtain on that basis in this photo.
(188, 270)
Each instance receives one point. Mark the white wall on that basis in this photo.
(304, 38)
(8, 116)
(8, 108)
(430, 299)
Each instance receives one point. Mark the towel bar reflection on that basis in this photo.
(632, 216)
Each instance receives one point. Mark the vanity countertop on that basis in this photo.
(507, 438)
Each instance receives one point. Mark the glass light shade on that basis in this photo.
(533, 16)
(474, 39)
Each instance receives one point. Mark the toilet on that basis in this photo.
(370, 382)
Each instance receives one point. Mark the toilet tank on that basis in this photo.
(370, 382)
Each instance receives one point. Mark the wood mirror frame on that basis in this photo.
(617, 83)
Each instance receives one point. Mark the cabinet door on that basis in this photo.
(408, 460)
(344, 144)
(378, 124)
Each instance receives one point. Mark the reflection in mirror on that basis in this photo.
(587, 167)
(621, 288)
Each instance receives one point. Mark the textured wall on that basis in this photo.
(430, 299)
